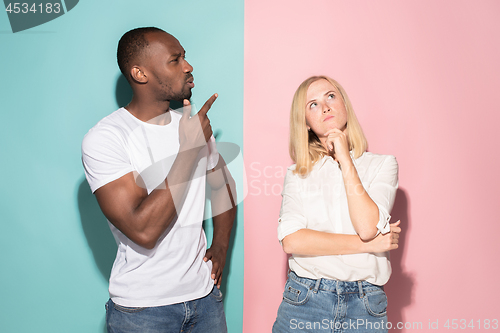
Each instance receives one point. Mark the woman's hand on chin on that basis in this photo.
(337, 144)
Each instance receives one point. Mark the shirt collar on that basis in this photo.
(330, 159)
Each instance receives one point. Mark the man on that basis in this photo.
(147, 166)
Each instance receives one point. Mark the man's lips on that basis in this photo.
(190, 82)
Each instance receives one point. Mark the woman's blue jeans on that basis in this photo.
(200, 315)
(331, 306)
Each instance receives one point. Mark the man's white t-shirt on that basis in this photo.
(174, 270)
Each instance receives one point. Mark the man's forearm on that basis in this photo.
(224, 211)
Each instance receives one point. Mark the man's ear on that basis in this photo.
(138, 75)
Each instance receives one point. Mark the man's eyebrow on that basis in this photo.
(178, 54)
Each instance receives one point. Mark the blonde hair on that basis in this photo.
(305, 147)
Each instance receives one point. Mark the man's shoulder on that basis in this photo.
(111, 127)
(115, 120)
(118, 121)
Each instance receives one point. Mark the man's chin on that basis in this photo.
(181, 98)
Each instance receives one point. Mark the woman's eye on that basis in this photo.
(312, 105)
(331, 96)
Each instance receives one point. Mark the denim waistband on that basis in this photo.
(340, 287)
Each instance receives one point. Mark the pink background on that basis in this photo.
(423, 77)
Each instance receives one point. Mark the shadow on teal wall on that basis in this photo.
(61, 79)
(123, 92)
(96, 230)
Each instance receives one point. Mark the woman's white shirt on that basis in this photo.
(319, 202)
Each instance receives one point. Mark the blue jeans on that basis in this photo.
(200, 315)
(331, 306)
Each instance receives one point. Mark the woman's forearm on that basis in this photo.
(309, 242)
(317, 243)
(363, 211)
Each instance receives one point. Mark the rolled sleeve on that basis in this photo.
(382, 191)
(292, 216)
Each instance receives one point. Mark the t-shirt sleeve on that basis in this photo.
(292, 217)
(104, 158)
(213, 154)
(382, 191)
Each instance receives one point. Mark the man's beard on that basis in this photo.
(170, 95)
(181, 96)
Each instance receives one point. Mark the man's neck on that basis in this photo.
(154, 113)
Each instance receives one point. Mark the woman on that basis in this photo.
(334, 218)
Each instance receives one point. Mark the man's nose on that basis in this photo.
(187, 67)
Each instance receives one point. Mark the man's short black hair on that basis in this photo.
(131, 45)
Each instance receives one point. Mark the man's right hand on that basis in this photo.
(195, 131)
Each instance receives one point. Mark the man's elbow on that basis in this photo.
(146, 241)
(149, 245)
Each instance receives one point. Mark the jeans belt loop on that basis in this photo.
(316, 286)
(360, 287)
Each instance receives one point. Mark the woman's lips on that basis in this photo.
(328, 118)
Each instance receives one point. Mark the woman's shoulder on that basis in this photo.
(374, 161)
(376, 157)
(290, 171)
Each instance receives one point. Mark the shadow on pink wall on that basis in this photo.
(400, 286)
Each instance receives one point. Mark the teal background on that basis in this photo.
(28, 14)
(57, 81)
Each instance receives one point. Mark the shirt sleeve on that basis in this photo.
(292, 216)
(104, 158)
(382, 191)
(213, 154)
